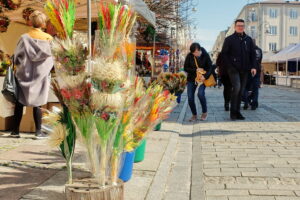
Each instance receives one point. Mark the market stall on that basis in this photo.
(287, 65)
(151, 58)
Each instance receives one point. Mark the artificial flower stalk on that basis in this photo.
(118, 147)
(105, 128)
(62, 15)
(108, 78)
(64, 130)
(84, 124)
(62, 135)
(160, 106)
(115, 23)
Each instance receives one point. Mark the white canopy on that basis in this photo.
(141, 7)
(282, 55)
(292, 52)
(295, 53)
(267, 57)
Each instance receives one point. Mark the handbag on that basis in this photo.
(10, 88)
(200, 72)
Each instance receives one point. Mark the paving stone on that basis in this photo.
(247, 186)
(261, 174)
(208, 186)
(216, 198)
(271, 192)
(234, 174)
(251, 198)
(238, 170)
(287, 198)
(226, 192)
(297, 192)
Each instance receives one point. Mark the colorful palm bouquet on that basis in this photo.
(107, 110)
(174, 82)
(62, 15)
(143, 110)
(70, 55)
(115, 24)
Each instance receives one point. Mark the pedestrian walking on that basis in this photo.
(33, 61)
(239, 56)
(222, 72)
(197, 58)
(251, 95)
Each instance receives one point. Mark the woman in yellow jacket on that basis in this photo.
(34, 62)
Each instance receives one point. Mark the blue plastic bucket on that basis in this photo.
(126, 171)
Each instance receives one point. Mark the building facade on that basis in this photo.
(274, 24)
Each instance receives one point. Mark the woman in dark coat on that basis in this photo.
(198, 56)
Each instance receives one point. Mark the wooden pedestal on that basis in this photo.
(88, 189)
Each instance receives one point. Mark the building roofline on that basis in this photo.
(277, 3)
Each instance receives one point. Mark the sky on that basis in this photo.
(213, 16)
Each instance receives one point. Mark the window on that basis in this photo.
(293, 30)
(293, 14)
(253, 31)
(253, 16)
(273, 13)
(273, 30)
(272, 46)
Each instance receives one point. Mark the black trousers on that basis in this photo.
(37, 116)
(239, 81)
(227, 88)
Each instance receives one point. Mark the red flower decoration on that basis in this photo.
(104, 84)
(166, 92)
(105, 116)
(77, 94)
(66, 94)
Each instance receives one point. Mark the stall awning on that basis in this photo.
(295, 53)
(81, 9)
(267, 57)
(283, 55)
(142, 8)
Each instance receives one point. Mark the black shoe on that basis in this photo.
(14, 135)
(253, 107)
(226, 106)
(233, 116)
(240, 116)
(40, 135)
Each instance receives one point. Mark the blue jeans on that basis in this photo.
(191, 89)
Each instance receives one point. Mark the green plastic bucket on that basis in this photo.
(157, 127)
(140, 152)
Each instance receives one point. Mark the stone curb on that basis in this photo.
(157, 188)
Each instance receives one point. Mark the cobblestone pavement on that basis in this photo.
(255, 159)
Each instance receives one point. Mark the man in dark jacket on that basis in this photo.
(254, 81)
(239, 56)
(198, 56)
